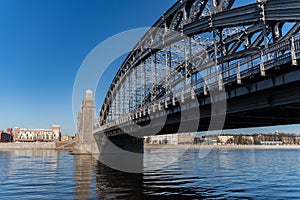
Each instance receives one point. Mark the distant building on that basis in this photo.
(6, 136)
(271, 142)
(184, 138)
(260, 139)
(32, 135)
(67, 138)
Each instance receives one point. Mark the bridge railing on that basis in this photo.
(275, 55)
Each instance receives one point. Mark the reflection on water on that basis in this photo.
(227, 174)
(83, 176)
(29, 174)
(113, 184)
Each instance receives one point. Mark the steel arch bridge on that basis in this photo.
(199, 46)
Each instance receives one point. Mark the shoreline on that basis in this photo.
(220, 147)
(36, 146)
(69, 146)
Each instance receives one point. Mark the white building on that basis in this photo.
(182, 138)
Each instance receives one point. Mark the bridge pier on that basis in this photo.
(84, 137)
(117, 144)
(122, 152)
(128, 143)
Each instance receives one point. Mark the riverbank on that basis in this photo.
(219, 147)
(70, 145)
(37, 146)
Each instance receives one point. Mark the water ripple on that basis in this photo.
(230, 174)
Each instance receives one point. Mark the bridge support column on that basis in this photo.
(128, 143)
(118, 143)
(122, 152)
(84, 136)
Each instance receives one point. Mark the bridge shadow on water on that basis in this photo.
(95, 180)
(113, 184)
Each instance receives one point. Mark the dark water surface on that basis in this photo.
(223, 174)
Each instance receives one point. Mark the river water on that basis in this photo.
(222, 174)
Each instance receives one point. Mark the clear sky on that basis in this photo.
(44, 42)
(42, 45)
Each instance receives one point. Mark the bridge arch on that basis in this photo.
(230, 41)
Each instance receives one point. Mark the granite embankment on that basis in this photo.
(37, 145)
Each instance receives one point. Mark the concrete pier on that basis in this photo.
(128, 143)
(122, 152)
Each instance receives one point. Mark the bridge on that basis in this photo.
(207, 65)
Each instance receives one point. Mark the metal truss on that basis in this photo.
(195, 46)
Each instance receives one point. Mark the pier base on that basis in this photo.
(122, 152)
(128, 143)
(80, 149)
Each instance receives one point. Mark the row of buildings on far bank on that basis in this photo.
(226, 139)
(184, 138)
(31, 135)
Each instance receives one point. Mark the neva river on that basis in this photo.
(223, 174)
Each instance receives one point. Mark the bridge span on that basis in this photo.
(207, 65)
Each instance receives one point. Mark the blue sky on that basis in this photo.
(42, 45)
(44, 42)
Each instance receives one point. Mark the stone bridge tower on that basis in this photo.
(85, 123)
